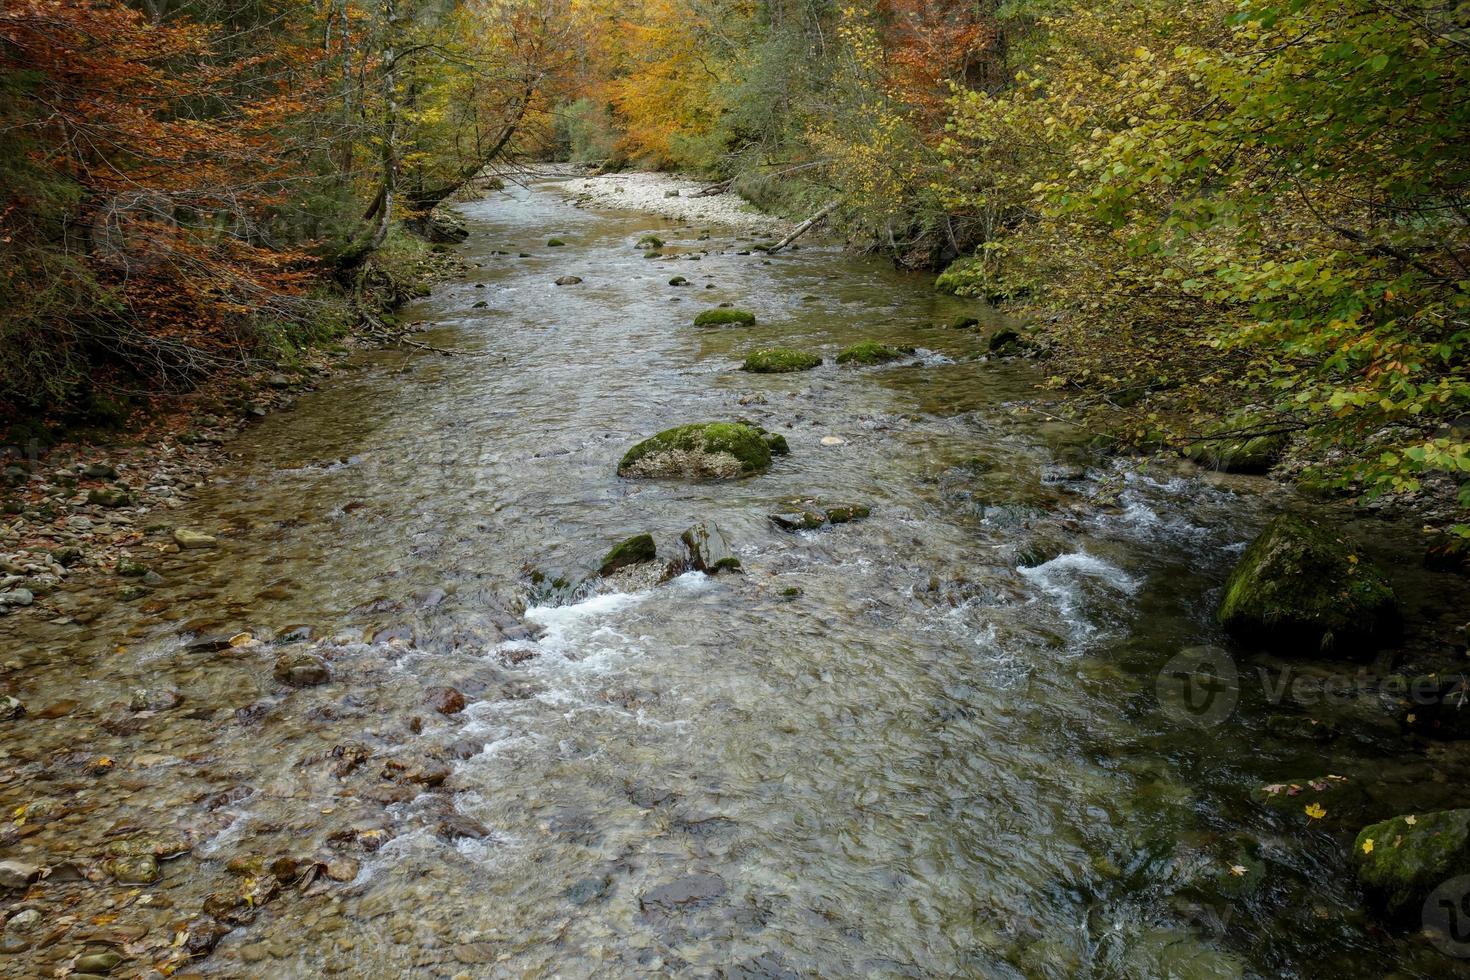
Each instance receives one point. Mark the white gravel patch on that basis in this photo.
(653, 193)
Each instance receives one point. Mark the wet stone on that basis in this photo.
(445, 700)
(682, 895)
(301, 669)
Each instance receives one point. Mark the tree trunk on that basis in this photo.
(804, 227)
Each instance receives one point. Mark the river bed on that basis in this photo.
(885, 749)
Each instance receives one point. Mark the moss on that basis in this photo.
(842, 513)
(634, 551)
(721, 316)
(964, 323)
(649, 241)
(678, 281)
(1299, 590)
(1409, 857)
(780, 360)
(554, 243)
(872, 352)
(1255, 454)
(985, 278)
(704, 450)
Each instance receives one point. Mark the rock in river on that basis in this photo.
(780, 360)
(709, 550)
(1300, 590)
(722, 316)
(704, 451)
(445, 700)
(301, 669)
(185, 538)
(872, 352)
(634, 551)
(17, 875)
(1402, 860)
(568, 280)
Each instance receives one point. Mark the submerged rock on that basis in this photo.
(805, 514)
(1400, 861)
(649, 241)
(709, 550)
(1335, 801)
(1299, 590)
(17, 875)
(568, 280)
(871, 352)
(185, 538)
(635, 551)
(445, 700)
(704, 451)
(780, 360)
(721, 316)
(301, 669)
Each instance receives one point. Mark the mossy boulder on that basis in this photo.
(709, 550)
(554, 243)
(1230, 446)
(780, 360)
(649, 241)
(1008, 342)
(983, 276)
(808, 513)
(704, 451)
(637, 550)
(872, 352)
(724, 316)
(1300, 590)
(1400, 861)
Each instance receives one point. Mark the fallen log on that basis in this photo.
(804, 227)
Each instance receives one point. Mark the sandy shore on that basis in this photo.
(672, 197)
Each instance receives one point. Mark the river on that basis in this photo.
(883, 750)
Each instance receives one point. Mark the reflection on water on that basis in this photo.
(926, 762)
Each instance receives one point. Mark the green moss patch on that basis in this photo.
(724, 316)
(1299, 590)
(780, 360)
(635, 551)
(1401, 860)
(704, 451)
(872, 352)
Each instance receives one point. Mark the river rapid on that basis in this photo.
(887, 749)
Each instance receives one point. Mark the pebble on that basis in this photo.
(833, 440)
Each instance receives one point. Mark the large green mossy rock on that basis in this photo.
(704, 451)
(722, 316)
(1300, 590)
(977, 276)
(871, 352)
(1403, 859)
(780, 360)
(1244, 453)
(637, 550)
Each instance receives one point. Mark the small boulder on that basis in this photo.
(722, 316)
(649, 241)
(709, 550)
(678, 281)
(17, 875)
(871, 352)
(637, 550)
(554, 243)
(99, 471)
(17, 597)
(780, 360)
(704, 451)
(11, 708)
(301, 669)
(185, 538)
(568, 280)
(1300, 590)
(1007, 342)
(1400, 861)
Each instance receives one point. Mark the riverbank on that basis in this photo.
(85, 501)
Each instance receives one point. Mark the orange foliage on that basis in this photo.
(928, 44)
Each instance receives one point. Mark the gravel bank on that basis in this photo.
(672, 197)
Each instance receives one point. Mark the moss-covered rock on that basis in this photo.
(1401, 860)
(808, 513)
(704, 451)
(780, 360)
(985, 278)
(554, 243)
(724, 316)
(1008, 342)
(872, 352)
(649, 241)
(1244, 453)
(709, 550)
(635, 551)
(1299, 590)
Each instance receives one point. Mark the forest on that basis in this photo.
(1239, 220)
(735, 488)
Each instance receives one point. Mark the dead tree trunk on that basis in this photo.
(805, 227)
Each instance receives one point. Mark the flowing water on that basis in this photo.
(926, 762)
